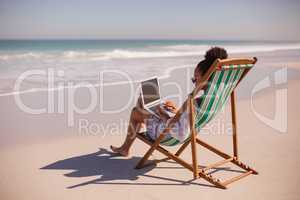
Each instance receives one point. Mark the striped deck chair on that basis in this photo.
(221, 80)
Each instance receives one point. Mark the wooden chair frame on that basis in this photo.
(200, 172)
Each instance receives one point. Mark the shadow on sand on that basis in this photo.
(110, 167)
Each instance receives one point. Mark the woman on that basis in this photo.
(155, 125)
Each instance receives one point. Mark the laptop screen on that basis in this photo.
(150, 90)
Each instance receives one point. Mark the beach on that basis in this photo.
(63, 154)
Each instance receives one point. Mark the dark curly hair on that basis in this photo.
(210, 56)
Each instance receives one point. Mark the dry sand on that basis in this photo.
(41, 158)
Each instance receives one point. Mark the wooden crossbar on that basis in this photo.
(236, 178)
(217, 164)
(213, 149)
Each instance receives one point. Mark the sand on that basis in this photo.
(42, 158)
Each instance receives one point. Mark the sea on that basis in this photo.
(83, 60)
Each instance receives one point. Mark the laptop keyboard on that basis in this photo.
(153, 108)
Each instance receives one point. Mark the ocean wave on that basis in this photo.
(94, 56)
(150, 52)
(25, 55)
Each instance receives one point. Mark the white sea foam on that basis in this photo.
(175, 51)
(156, 52)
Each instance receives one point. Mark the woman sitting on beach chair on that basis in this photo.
(140, 116)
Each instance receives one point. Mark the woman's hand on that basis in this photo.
(170, 106)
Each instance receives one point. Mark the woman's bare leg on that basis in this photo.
(137, 118)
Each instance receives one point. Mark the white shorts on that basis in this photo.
(180, 131)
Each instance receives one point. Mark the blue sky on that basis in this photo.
(168, 19)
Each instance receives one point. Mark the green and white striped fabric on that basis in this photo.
(220, 85)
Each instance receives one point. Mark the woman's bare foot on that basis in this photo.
(120, 151)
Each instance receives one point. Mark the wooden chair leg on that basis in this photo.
(182, 148)
(234, 124)
(167, 153)
(149, 152)
(193, 139)
(194, 158)
(142, 164)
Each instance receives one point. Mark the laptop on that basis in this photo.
(150, 94)
(151, 97)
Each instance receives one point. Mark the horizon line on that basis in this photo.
(147, 39)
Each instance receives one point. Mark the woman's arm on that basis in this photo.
(167, 106)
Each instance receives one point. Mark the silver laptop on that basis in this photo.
(151, 95)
